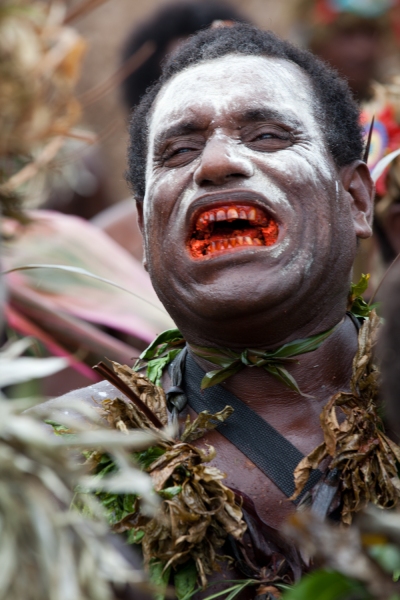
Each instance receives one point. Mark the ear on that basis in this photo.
(357, 182)
(140, 218)
(139, 208)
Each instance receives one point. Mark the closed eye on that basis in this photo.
(269, 138)
(179, 153)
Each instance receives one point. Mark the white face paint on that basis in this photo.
(214, 93)
(296, 182)
(211, 81)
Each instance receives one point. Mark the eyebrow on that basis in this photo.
(255, 115)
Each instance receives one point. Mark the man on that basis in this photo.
(251, 194)
(245, 164)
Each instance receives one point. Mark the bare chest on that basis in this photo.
(242, 474)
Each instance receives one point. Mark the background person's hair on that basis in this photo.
(335, 109)
(168, 24)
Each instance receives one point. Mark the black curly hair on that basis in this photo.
(335, 108)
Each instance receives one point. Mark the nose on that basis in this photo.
(222, 161)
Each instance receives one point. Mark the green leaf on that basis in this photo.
(185, 580)
(170, 492)
(159, 578)
(57, 428)
(360, 308)
(357, 289)
(213, 377)
(218, 356)
(282, 375)
(147, 457)
(170, 336)
(234, 590)
(302, 346)
(156, 366)
(356, 304)
(134, 536)
(326, 585)
(109, 468)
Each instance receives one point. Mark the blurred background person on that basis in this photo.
(389, 349)
(355, 37)
(377, 254)
(169, 26)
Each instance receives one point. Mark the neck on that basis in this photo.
(319, 374)
(262, 331)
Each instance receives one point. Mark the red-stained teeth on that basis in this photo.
(232, 214)
(232, 226)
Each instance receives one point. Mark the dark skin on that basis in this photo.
(254, 141)
(243, 131)
(262, 145)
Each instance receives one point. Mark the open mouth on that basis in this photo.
(229, 227)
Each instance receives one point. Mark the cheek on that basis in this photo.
(164, 190)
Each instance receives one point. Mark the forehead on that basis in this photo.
(226, 86)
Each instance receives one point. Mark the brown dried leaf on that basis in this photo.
(161, 475)
(123, 415)
(196, 521)
(204, 422)
(152, 395)
(303, 469)
(363, 454)
(330, 426)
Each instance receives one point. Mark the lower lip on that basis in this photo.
(207, 243)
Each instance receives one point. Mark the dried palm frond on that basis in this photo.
(39, 65)
(49, 551)
(357, 445)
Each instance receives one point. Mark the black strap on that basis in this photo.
(273, 454)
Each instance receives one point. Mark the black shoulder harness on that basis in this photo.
(272, 453)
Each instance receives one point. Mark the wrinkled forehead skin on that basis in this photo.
(270, 82)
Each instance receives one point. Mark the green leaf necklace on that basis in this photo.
(168, 344)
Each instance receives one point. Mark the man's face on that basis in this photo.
(244, 211)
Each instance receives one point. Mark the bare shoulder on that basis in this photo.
(91, 395)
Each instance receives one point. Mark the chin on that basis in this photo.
(241, 290)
